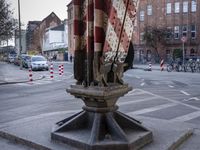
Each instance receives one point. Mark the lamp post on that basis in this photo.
(20, 42)
(183, 39)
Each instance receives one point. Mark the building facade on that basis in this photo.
(23, 42)
(180, 16)
(55, 41)
(31, 26)
(70, 29)
(50, 21)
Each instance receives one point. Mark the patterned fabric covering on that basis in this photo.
(102, 34)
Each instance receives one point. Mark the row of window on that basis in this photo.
(177, 5)
(185, 7)
(184, 30)
(178, 32)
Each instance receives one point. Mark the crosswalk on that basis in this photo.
(48, 80)
(139, 102)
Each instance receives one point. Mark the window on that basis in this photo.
(169, 8)
(142, 37)
(177, 7)
(142, 15)
(176, 32)
(149, 10)
(193, 31)
(185, 6)
(169, 33)
(184, 31)
(193, 6)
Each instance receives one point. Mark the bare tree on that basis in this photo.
(156, 37)
(7, 22)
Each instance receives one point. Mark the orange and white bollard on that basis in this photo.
(150, 69)
(30, 75)
(162, 65)
(59, 69)
(62, 69)
(51, 71)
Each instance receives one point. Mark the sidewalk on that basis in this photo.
(11, 74)
(146, 66)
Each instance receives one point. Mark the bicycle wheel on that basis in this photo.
(169, 68)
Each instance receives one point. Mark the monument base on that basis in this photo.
(100, 126)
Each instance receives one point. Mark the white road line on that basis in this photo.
(136, 101)
(138, 77)
(134, 92)
(171, 100)
(185, 93)
(142, 84)
(151, 109)
(128, 75)
(192, 98)
(187, 117)
(171, 86)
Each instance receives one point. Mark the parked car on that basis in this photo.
(11, 57)
(39, 63)
(25, 60)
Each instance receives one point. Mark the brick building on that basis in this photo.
(70, 29)
(29, 33)
(50, 21)
(180, 16)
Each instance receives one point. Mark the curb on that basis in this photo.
(15, 82)
(23, 141)
(182, 139)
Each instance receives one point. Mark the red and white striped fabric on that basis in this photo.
(102, 33)
(119, 30)
(112, 22)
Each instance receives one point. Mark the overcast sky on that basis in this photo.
(39, 9)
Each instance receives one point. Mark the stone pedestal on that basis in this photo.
(100, 126)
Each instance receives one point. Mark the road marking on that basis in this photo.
(134, 92)
(142, 84)
(187, 117)
(185, 93)
(171, 100)
(138, 77)
(151, 109)
(137, 101)
(128, 75)
(31, 118)
(171, 86)
(192, 98)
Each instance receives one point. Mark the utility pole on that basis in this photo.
(20, 42)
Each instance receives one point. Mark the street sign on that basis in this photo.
(184, 39)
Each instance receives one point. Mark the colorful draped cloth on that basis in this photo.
(102, 34)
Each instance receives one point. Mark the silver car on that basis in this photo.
(39, 63)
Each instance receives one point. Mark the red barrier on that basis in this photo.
(162, 65)
(51, 71)
(30, 74)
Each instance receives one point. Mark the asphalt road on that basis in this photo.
(172, 96)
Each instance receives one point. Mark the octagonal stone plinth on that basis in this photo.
(100, 126)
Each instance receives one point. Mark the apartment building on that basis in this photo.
(180, 16)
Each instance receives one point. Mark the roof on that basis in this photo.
(59, 28)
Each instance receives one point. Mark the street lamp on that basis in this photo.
(20, 42)
(183, 39)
